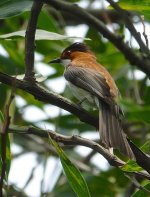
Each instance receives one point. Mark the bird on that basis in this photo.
(90, 81)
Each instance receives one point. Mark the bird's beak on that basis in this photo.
(58, 60)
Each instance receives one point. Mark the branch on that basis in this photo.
(69, 140)
(30, 40)
(75, 140)
(100, 14)
(46, 96)
(137, 184)
(140, 61)
(4, 138)
(144, 31)
(125, 14)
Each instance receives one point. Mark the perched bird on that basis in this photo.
(91, 81)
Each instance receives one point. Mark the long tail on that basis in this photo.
(111, 131)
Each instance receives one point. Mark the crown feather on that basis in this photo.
(77, 46)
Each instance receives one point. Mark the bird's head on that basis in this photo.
(73, 51)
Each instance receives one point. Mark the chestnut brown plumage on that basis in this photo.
(89, 79)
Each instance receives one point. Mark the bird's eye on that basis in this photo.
(68, 53)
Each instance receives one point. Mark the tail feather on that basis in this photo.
(111, 131)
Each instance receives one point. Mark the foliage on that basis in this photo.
(133, 84)
(74, 176)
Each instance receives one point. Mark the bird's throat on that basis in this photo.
(66, 62)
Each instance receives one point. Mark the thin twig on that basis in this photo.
(30, 40)
(137, 184)
(124, 14)
(100, 14)
(144, 31)
(4, 138)
(31, 176)
(89, 157)
(130, 190)
(135, 87)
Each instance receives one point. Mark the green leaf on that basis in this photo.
(142, 6)
(10, 8)
(73, 174)
(1, 116)
(134, 112)
(40, 35)
(131, 166)
(8, 156)
(146, 147)
(141, 193)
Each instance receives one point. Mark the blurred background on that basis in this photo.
(35, 167)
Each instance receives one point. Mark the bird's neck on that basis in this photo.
(83, 59)
(83, 56)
